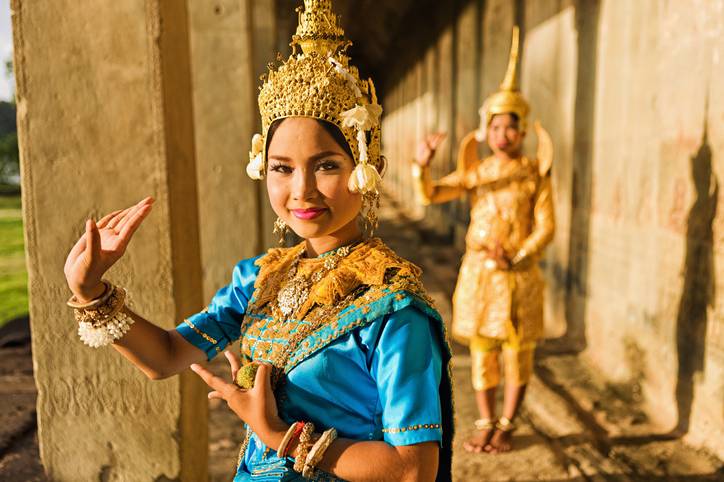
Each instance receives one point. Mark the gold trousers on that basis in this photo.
(485, 356)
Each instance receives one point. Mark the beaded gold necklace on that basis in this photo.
(296, 287)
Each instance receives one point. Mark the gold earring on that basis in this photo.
(370, 205)
(280, 228)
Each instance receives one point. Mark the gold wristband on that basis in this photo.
(74, 303)
(287, 438)
(316, 454)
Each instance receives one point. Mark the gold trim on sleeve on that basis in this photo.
(201, 333)
(412, 427)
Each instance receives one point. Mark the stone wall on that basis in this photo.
(631, 95)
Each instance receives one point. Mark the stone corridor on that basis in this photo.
(574, 425)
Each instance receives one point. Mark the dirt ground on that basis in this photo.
(574, 425)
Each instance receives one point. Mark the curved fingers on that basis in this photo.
(223, 388)
(77, 248)
(262, 380)
(111, 224)
(133, 223)
(101, 223)
(92, 240)
(234, 363)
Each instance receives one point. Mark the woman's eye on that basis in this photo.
(327, 166)
(282, 168)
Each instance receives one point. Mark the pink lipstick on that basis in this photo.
(308, 214)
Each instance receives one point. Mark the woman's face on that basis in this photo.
(504, 135)
(307, 177)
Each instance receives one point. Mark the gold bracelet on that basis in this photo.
(316, 454)
(282, 450)
(103, 321)
(303, 447)
(74, 303)
(101, 314)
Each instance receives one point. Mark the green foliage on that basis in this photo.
(9, 154)
(9, 157)
(13, 273)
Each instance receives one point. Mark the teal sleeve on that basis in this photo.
(407, 365)
(220, 323)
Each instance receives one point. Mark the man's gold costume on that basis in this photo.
(511, 207)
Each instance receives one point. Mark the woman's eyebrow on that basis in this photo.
(280, 158)
(315, 157)
(322, 154)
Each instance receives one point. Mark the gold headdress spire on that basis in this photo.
(320, 83)
(318, 29)
(509, 99)
(510, 82)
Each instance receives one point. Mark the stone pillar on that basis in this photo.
(104, 119)
(268, 41)
(549, 68)
(225, 117)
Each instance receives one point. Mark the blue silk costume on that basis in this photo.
(375, 368)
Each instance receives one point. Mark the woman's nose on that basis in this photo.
(304, 184)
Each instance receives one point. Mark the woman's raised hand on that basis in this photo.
(102, 244)
(427, 147)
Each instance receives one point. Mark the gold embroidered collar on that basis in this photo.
(366, 264)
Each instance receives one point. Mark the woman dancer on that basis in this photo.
(344, 364)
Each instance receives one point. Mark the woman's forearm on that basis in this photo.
(368, 460)
(158, 353)
(380, 461)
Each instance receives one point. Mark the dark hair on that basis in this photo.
(331, 129)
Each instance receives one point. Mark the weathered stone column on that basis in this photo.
(225, 118)
(269, 39)
(105, 118)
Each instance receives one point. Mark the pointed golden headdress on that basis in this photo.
(508, 99)
(317, 81)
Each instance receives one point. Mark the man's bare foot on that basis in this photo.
(500, 442)
(481, 437)
(478, 441)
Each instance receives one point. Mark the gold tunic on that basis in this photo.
(512, 206)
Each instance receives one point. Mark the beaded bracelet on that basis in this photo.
(303, 447)
(102, 321)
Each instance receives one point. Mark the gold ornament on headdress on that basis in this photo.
(509, 99)
(317, 81)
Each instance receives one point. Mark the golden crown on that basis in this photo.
(508, 99)
(317, 81)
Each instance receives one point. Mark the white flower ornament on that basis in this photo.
(365, 177)
(255, 168)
